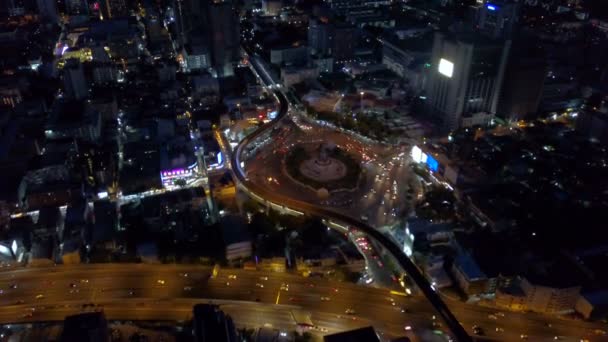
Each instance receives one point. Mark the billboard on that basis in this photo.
(446, 67)
(431, 163)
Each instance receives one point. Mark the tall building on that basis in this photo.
(76, 7)
(74, 81)
(523, 84)
(223, 28)
(114, 8)
(498, 19)
(47, 9)
(466, 77)
(343, 42)
(320, 36)
(328, 38)
(272, 7)
(14, 7)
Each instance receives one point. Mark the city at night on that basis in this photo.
(303, 170)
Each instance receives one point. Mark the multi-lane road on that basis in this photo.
(254, 299)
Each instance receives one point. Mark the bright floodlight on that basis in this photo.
(446, 67)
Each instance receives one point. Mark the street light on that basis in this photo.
(361, 102)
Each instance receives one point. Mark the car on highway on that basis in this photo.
(39, 296)
(187, 288)
(263, 278)
(259, 285)
(232, 276)
(284, 287)
(491, 316)
(27, 315)
(523, 336)
(349, 311)
(477, 330)
(72, 285)
(160, 282)
(13, 286)
(325, 299)
(408, 328)
(500, 329)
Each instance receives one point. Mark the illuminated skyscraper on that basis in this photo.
(466, 75)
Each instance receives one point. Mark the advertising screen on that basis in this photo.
(416, 154)
(446, 67)
(431, 163)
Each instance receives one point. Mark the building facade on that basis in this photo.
(466, 77)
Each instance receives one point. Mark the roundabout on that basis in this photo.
(322, 166)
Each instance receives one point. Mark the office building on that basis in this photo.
(272, 7)
(320, 36)
(113, 8)
(74, 81)
(76, 7)
(498, 19)
(223, 28)
(523, 84)
(47, 9)
(466, 76)
(343, 42)
(13, 8)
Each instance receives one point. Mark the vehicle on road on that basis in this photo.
(349, 311)
(325, 299)
(160, 282)
(477, 330)
(232, 276)
(523, 336)
(187, 288)
(259, 285)
(492, 317)
(39, 296)
(263, 278)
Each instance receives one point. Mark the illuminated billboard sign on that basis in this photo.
(446, 67)
(432, 164)
(416, 154)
